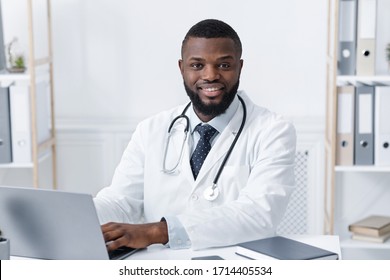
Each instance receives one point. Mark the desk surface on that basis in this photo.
(160, 252)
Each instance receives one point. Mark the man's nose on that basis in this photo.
(210, 73)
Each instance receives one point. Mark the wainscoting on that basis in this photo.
(89, 150)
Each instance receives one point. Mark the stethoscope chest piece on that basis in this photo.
(211, 193)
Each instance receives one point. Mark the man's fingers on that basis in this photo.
(135, 236)
(112, 231)
(109, 226)
(115, 244)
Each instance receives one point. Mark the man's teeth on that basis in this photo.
(211, 89)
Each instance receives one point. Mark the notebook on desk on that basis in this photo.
(48, 224)
(282, 248)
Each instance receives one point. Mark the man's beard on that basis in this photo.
(212, 109)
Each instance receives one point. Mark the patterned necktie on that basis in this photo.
(203, 147)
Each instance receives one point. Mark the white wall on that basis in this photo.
(115, 63)
(112, 57)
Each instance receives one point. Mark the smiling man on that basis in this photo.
(215, 172)
(211, 70)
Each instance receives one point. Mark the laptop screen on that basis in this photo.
(49, 224)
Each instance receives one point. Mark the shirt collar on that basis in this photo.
(219, 122)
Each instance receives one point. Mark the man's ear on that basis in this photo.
(180, 63)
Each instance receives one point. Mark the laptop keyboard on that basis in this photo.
(121, 253)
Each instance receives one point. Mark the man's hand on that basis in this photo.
(134, 236)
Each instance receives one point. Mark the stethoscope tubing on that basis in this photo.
(183, 115)
(233, 143)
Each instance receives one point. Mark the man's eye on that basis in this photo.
(196, 66)
(224, 65)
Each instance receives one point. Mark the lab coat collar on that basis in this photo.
(219, 122)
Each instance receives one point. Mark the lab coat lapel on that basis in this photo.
(185, 165)
(177, 141)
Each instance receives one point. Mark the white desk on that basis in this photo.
(160, 252)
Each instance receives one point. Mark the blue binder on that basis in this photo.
(5, 127)
(364, 125)
(347, 37)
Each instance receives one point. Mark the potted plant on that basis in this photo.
(15, 57)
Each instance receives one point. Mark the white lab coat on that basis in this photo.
(255, 184)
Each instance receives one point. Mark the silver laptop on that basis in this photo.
(48, 224)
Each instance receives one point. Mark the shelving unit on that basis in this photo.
(364, 79)
(344, 180)
(330, 137)
(39, 69)
(362, 169)
(349, 243)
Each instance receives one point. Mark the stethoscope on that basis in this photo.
(212, 192)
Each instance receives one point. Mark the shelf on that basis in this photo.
(39, 70)
(44, 153)
(41, 158)
(9, 78)
(362, 168)
(356, 244)
(341, 203)
(383, 79)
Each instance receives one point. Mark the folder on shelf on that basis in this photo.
(382, 125)
(5, 127)
(364, 125)
(3, 62)
(21, 127)
(365, 58)
(347, 37)
(383, 36)
(345, 125)
(21, 120)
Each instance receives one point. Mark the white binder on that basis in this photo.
(365, 53)
(382, 125)
(21, 120)
(382, 37)
(345, 125)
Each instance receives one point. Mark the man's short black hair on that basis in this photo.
(213, 28)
